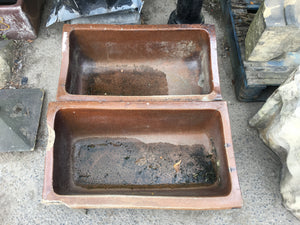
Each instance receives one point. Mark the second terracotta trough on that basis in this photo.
(140, 155)
(139, 63)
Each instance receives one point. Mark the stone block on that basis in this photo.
(274, 31)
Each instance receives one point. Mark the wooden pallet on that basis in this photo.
(254, 81)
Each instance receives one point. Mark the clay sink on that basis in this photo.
(140, 155)
(139, 63)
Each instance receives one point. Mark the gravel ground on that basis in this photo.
(22, 174)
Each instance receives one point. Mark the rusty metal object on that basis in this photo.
(139, 63)
(20, 20)
(122, 155)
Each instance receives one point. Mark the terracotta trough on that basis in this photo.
(140, 155)
(139, 63)
(20, 19)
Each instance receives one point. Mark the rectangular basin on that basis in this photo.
(139, 63)
(20, 19)
(140, 155)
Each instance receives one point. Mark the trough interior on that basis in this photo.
(139, 62)
(134, 152)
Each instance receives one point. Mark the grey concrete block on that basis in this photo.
(20, 111)
(274, 31)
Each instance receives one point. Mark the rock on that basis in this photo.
(4, 71)
(274, 30)
(278, 123)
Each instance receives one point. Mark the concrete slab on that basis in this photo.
(20, 111)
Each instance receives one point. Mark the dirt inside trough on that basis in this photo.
(117, 162)
(128, 82)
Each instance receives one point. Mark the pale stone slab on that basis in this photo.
(278, 123)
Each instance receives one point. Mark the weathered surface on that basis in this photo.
(274, 30)
(20, 112)
(278, 122)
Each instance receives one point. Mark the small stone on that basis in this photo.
(24, 80)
